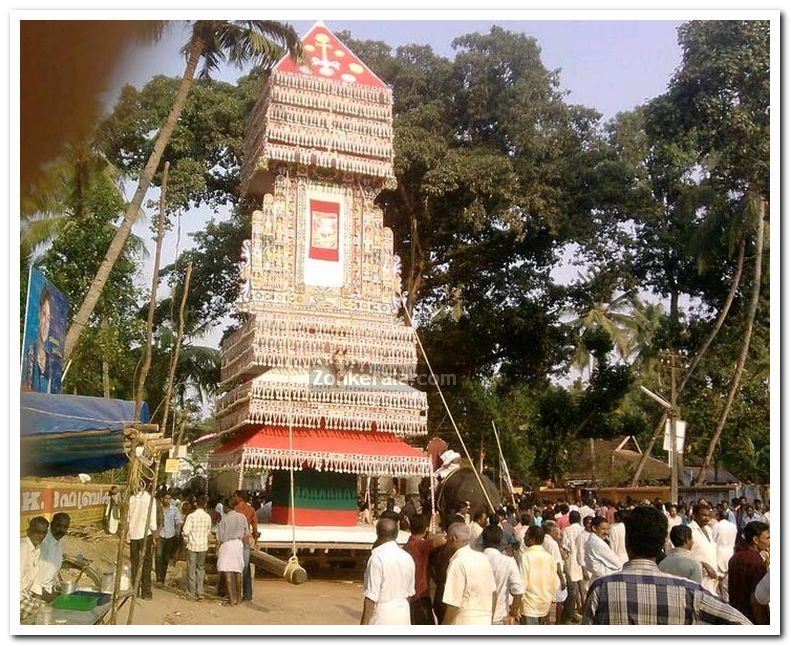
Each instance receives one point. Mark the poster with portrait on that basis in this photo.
(324, 230)
(46, 314)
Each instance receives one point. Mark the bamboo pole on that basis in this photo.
(447, 410)
(504, 465)
(123, 530)
(152, 302)
(175, 358)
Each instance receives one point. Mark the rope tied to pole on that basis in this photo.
(447, 408)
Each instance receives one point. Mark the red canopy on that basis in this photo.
(366, 452)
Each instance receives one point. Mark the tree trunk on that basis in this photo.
(416, 264)
(737, 276)
(176, 350)
(748, 332)
(105, 364)
(105, 379)
(83, 315)
(182, 428)
(674, 305)
(152, 301)
(415, 285)
(412, 254)
(726, 306)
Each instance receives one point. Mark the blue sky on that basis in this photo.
(609, 65)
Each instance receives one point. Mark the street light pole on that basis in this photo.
(671, 359)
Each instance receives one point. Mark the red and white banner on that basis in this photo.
(324, 230)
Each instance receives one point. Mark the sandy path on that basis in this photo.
(274, 602)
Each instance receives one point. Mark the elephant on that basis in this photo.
(462, 484)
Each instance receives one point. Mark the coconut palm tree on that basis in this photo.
(197, 372)
(214, 42)
(59, 193)
(641, 327)
(738, 237)
(755, 207)
(616, 318)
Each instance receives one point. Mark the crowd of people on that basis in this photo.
(583, 562)
(163, 526)
(41, 558)
(185, 524)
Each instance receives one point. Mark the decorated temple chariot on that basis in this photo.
(317, 380)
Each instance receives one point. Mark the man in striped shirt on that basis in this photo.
(196, 530)
(641, 594)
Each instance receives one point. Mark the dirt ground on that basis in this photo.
(331, 595)
(274, 602)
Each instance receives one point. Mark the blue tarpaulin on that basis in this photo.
(69, 434)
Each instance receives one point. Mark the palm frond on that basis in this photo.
(241, 42)
(149, 32)
(38, 231)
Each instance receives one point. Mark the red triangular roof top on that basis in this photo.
(329, 58)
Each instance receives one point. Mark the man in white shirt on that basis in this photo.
(586, 511)
(617, 536)
(573, 566)
(703, 547)
(51, 558)
(479, 521)
(196, 531)
(451, 461)
(142, 531)
(470, 594)
(673, 520)
(389, 579)
(29, 556)
(724, 535)
(507, 578)
(600, 560)
(581, 543)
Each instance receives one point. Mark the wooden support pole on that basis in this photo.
(275, 566)
(123, 528)
(175, 358)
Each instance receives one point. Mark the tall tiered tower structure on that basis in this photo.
(318, 377)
